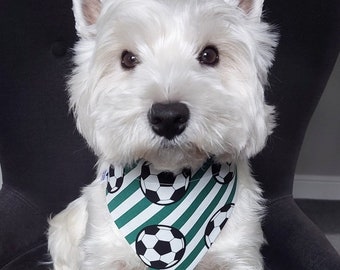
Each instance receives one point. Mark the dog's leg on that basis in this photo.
(236, 249)
(245, 236)
(103, 245)
(84, 236)
(238, 246)
(65, 235)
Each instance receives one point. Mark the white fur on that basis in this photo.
(228, 115)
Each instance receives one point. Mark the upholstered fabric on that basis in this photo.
(43, 159)
(306, 54)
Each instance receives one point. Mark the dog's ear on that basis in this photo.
(86, 13)
(253, 8)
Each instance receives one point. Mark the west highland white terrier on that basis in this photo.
(170, 96)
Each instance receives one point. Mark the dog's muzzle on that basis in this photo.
(169, 119)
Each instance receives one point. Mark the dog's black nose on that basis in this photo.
(169, 119)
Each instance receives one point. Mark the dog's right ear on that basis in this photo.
(86, 13)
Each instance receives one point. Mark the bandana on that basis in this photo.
(171, 221)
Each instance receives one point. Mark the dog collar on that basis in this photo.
(171, 220)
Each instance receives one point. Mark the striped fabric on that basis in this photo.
(175, 230)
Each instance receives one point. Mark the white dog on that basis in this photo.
(166, 87)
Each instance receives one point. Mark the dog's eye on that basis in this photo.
(209, 56)
(129, 60)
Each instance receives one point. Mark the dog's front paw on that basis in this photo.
(65, 233)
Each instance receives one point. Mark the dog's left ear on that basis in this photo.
(86, 13)
(253, 8)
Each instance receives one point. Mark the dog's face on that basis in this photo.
(171, 81)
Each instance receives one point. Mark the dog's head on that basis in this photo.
(171, 81)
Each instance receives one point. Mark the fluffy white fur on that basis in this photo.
(229, 118)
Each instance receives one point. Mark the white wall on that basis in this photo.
(318, 168)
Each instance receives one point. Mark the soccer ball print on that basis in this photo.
(216, 224)
(173, 221)
(115, 179)
(223, 174)
(163, 187)
(160, 246)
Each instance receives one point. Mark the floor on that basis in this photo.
(326, 215)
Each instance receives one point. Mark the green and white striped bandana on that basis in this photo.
(171, 220)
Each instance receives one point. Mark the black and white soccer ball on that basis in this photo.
(223, 173)
(216, 224)
(115, 179)
(163, 187)
(160, 246)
